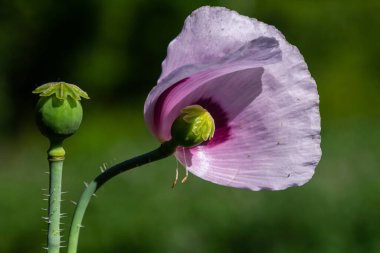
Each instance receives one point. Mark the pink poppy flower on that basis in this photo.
(259, 91)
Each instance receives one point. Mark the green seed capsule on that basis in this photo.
(193, 126)
(59, 112)
(58, 118)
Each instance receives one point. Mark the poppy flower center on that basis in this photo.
(193, 126)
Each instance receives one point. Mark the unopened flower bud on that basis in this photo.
(193, 126)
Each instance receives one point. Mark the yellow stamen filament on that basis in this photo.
(186, 176)
(176, 176)
(187, 171)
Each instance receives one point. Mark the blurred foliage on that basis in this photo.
(113, 50)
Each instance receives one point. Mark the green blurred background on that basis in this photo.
(113, 49)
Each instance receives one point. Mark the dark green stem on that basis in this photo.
(165, 150)
(56, 155)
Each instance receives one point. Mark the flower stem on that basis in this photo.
(56, 156)
(165, 150)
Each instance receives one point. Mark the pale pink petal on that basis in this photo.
(165, 100)
(265, 106)
(273, 144)
(210, 33)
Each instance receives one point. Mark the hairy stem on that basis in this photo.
(165, 150)
(56, 156)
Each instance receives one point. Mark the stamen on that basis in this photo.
(176, 176)
(186, 176)
(187, 171)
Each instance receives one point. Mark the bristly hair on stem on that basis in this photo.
(54, 207)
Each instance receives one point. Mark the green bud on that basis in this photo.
(59, 112)
(193, 126)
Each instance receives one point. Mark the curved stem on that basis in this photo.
(56, 156)
(165, 150)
